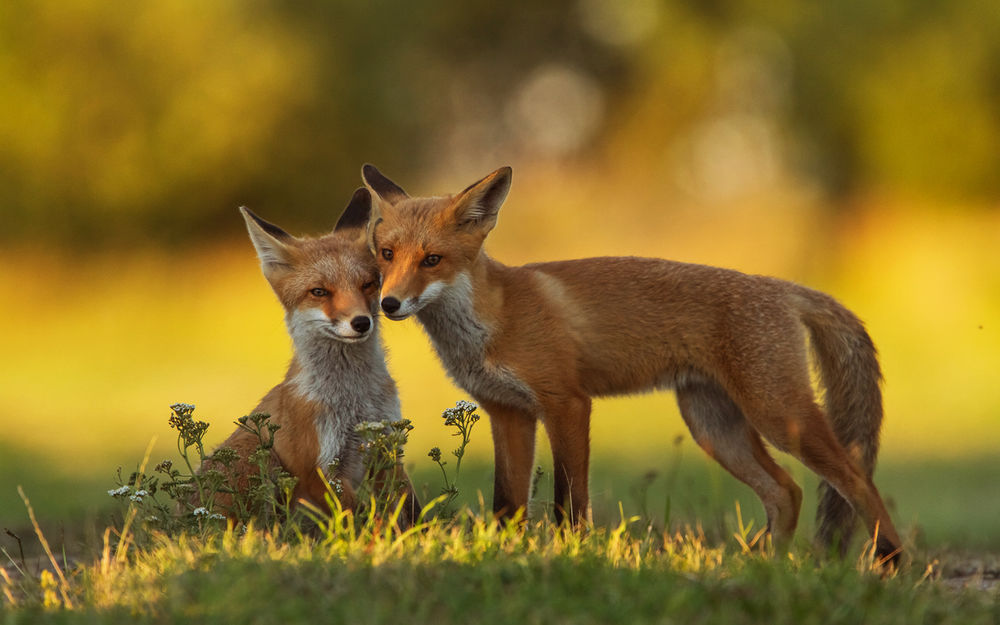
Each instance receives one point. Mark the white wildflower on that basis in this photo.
(120, 492)
(465, 406)
(201, 511)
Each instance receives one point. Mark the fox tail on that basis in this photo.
(851, 377)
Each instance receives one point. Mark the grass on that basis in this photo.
(937, 505)
(454, 571)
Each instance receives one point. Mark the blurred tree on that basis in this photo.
(895, 96)
(154, 120)
(900, 95)
(138, 119)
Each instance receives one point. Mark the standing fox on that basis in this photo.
(337, 377)
(537, 342)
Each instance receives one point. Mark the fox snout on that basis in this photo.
(396, 308)
(390, 305)
(350, 315)
(357, 328)
(361, 325)
(311, 324)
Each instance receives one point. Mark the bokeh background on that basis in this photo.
(849, 145)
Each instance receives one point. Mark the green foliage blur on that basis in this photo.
(139, 123)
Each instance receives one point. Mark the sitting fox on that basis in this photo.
(536, 343)
(337, 378)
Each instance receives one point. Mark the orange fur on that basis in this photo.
(537, 342)
(337, 377)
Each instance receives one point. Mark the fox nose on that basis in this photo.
(361, 324)
(391, 305)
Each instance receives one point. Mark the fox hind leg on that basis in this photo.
(801, 428)
(720, 428)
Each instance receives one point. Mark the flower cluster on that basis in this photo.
(259, 425)
(381, 448)
(200, 489)
(121, 491)
(125, 490)
(461, 414)
(189, 430)
(203, 512)
(370, 426)
(462, 417)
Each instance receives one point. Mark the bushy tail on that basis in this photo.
(851, 377)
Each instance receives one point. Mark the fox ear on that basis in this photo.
(480, 202)
(380, 186)
(357, 212)
(271, 242)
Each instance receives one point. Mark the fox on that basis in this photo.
(537, 342)
(337, 377)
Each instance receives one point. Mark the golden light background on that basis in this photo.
(850, 149)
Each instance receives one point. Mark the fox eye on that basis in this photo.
(368, 285)
(319, 292)
(430, 260)
(386, 253)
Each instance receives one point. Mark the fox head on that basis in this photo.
(422, 245)
(328, 285)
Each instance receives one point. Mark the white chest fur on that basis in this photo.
(461, 341)
(350, 382)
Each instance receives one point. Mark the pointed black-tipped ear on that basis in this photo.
(271, 242)
(357, 212)
(380, 186)
(480, 202)
(266, 226)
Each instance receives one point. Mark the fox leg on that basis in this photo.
(513, 453)
(720, 428)
(347, 496)
(801, 428)
(567, 423)
(312, 487)
(412, 508)
(398, 480)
